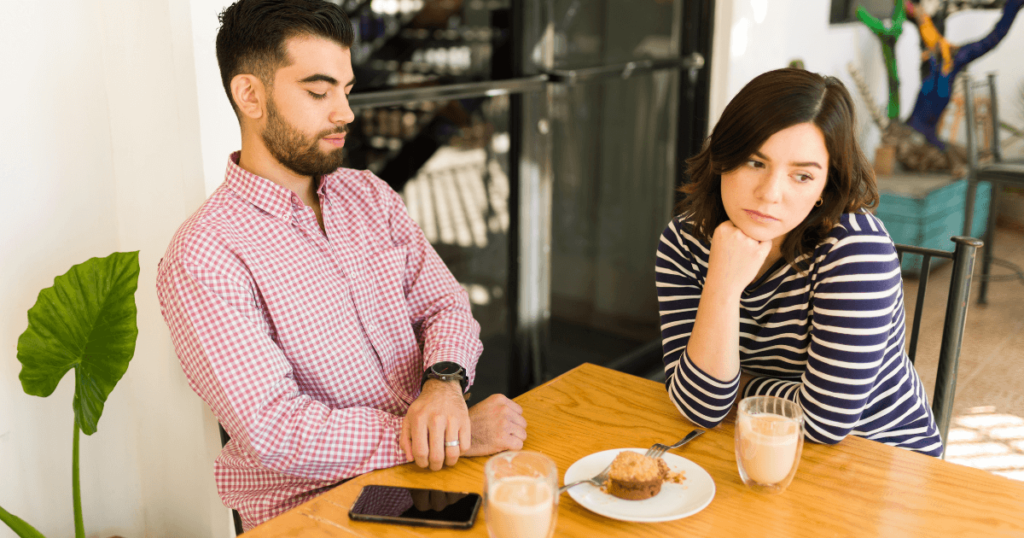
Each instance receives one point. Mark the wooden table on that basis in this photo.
(855, 488)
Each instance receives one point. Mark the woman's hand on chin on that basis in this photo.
(735, 258)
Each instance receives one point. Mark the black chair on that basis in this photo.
(997, 172)
(224, 438)
(952, 328)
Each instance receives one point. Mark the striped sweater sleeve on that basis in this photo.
(679, 271)
(854, 295)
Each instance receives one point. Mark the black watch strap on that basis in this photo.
(455, 368)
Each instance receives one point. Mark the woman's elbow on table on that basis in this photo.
(824, 435)
(696, 417)
(703, 423)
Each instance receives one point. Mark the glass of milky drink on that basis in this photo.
(769, 439)
(520, 495)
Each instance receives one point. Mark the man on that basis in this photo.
(306, 307)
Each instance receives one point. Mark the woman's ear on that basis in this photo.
(249, 95)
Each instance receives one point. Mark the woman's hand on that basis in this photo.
(735, 258)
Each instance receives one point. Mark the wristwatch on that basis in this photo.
(447, 371)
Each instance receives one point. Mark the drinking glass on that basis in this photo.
(769, 440)
(520, 495)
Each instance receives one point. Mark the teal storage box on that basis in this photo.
(926, 210)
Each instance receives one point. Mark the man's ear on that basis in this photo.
(249, 95)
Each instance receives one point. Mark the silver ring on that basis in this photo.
(452, 443)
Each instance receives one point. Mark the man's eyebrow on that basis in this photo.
(321, 78)
(807, 164)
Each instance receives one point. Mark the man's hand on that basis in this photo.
(439, 415)
(498, 425)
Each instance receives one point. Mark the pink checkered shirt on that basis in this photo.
(308, 347)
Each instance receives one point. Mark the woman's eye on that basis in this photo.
(316, 95)
(755, 164)
(804, 178)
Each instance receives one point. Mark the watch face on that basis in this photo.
(446, 368)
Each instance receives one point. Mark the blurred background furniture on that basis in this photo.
(997, 172)
(963, 256)
(925, 209)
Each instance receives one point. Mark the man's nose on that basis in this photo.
(341, 112)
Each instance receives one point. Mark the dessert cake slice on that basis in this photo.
(636, 477)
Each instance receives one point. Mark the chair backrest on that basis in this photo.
(981, 106)
(952, 328)
(979, 93)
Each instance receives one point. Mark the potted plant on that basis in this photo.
(85, 322)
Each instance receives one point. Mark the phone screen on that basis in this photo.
(412, 506)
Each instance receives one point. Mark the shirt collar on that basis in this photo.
(258, 191)
(265, 194)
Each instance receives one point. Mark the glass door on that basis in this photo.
(614, 103)
(534, 142)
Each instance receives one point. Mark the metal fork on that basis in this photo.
(597, 481)
(659, 450)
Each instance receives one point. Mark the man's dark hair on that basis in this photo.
(768, 104)
(252, 35)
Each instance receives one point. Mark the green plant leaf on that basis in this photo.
(86, 321)
(18, 525)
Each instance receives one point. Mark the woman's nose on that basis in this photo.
(769, 188)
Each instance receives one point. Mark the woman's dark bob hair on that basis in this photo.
(768, 104)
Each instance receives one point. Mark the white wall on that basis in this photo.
(754, 36)
(100, 150)
(58, 192)
(218, 126)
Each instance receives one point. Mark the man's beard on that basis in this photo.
(300, 154)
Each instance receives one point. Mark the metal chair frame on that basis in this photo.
(224, 438)
(998, 173)
(963, 257)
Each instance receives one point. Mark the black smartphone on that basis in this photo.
(413, 506)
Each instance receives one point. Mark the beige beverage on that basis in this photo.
(768, 447)
(769, 439)
(519, 495)
(519, 507)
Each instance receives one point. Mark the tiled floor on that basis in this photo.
(988, 416)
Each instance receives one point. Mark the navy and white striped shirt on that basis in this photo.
(830, 339)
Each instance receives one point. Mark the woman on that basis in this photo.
(775, 267)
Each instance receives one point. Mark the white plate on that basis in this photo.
(673, 502)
